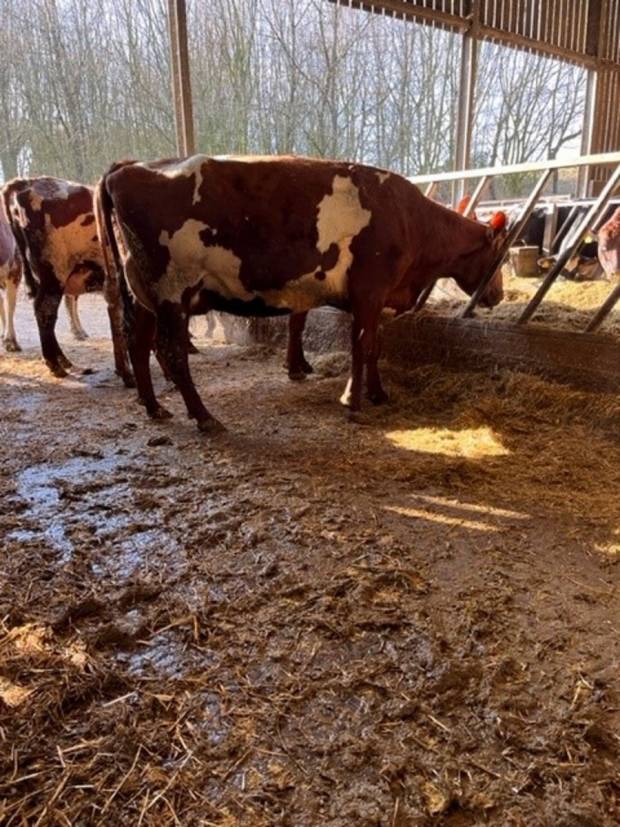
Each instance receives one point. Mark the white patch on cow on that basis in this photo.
(383, 176)
(192, 264)
(65, 247)
(341, 218)
(187, 168)
(36, 201)
(63, 189)
(19, 214)
(247, 159)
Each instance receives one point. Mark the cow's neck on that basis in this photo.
(446, 236)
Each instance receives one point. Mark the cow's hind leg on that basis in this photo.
(71, 306)
(140, 338)
(46, 313)
(10, 339)
(114, 302)
(296, 362)
(172, 346)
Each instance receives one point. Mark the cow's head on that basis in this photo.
(471, 267)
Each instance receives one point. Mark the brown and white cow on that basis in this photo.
(278, 235)
(608, 238)
(54, 226)
(10, 277)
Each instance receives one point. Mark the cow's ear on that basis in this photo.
(463, 204)
(498, 222)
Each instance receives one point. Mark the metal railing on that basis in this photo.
(591, 221)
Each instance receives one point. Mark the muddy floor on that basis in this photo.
(304, 622)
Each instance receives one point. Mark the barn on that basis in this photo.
(404, 616)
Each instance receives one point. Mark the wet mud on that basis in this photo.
(410, 621)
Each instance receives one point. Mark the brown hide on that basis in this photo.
(265, 213)
(264, 236)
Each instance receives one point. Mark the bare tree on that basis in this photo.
(85, 82)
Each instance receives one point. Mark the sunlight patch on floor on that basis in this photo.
(443, 519)
(471, 443)
(490, 510)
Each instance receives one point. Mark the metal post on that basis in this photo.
(514, 233)
(430, 190)
(564, 228)
(476, 195)
(604, 310)
(572, 245)
(424, 296)
(181, 82)
(550, 231)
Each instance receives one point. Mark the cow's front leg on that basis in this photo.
(46, 313)
(374, 388)
(10, 339)
(113, 299)
(296, 362)
(352, 396)
(172, 347)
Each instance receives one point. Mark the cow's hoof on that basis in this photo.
(356, 417)
(58, 371)
(296, 375)
(80, 336)
(210, 426)
(86, 371)
(378, 397)
(299, 370)
(347, 396)
(128, 380)
(11, 346)
(160, 413)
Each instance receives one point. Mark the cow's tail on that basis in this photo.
(115, 280)
(18, 234)
(104, 211)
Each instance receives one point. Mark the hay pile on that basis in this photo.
(568, 305)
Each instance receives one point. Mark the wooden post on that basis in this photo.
(466, 102)
(181, 81)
